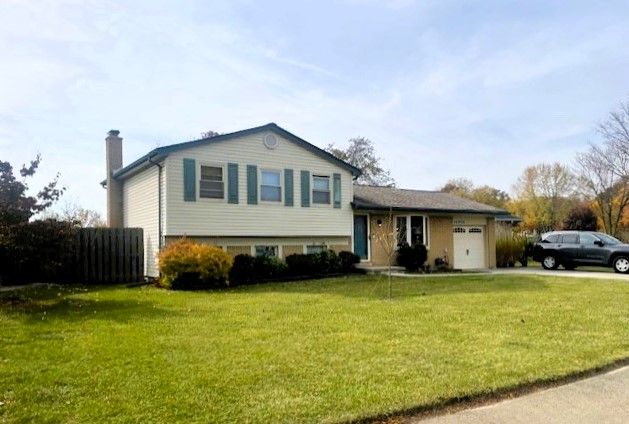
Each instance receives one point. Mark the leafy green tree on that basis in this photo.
(16, 206)
(361, 153)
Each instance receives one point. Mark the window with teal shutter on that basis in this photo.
(288, 187)
(252, 184)
(189, 180)
(337, 190)
(305, 189)
(232, 181)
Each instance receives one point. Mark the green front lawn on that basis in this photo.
(327, 350)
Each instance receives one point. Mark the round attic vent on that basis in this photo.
(270, 141)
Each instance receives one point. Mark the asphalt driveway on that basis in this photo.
(600, 399)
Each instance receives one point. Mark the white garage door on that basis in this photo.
(469, 247)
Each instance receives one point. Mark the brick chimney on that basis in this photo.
(113, 158)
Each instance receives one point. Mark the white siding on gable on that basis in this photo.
(212, 217)
(140, 209)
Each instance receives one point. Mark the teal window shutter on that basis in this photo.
(252, 184)
(305, 189)
(232, 183)
(288, 187)
(337, 190)
(189, 180)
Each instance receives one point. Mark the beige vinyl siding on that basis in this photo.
(140, 209)
(212, 217)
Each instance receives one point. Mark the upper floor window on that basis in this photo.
(321, 189)
(211, 185)
(271, 189)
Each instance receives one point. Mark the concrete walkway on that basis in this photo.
(600, 399)
(602, 275)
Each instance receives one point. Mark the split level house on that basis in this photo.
(265, 191)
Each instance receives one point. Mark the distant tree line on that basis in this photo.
(591, 194)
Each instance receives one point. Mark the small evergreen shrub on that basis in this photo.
(268, 267)
(348, 261)
(412, 258)
(185, 264)
(301, 264)
(327, 262)
(242, 270)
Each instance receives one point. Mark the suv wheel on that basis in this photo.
(550, 262)
(621, 264)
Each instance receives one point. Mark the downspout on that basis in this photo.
(159, 201)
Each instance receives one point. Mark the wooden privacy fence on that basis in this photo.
(107, 255)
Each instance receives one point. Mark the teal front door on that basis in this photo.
(360, 236)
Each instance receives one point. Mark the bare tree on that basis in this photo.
(209, 134)
(387, 234)
(604, 170)
(77, 215)
(362, 154)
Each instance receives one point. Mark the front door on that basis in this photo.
(360, 236)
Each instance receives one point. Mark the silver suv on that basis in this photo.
(573, 248)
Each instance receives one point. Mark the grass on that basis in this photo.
(326, 350)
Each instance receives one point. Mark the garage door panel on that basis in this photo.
(469, 247)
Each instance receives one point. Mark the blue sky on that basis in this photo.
(444, 89)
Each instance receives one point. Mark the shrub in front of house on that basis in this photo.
(242, 270)
(412, 258)
(186, 265)
(327, 262)
(348, 261)
(301, 264)
(248, 269)
(268, 268)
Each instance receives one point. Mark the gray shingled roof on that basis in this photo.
(384, 198)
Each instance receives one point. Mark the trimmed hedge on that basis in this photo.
(248, 269)
(35, 251)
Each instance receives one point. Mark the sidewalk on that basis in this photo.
(600, 399)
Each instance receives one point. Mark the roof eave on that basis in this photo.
(380, 208)
(164, 151)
